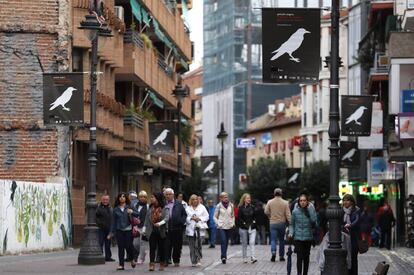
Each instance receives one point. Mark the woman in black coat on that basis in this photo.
(352, 227)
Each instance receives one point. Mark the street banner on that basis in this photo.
(376, 139)
(266, 138)
(63, 98)
(293, 177)
(350, 156)
(161, 135)
(356, 115)
(275, 147)
(378, 170)
(210, 167)
(407, 101)
(282, 145)
(245, 142)
(291, 44)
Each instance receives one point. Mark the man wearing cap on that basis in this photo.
(277, 209)
(176, 223)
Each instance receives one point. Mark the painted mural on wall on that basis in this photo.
(34, 216)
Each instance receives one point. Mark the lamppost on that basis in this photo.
(222, 135)
(180, 92)
(335, 255)
(90, 253)
(304, 148)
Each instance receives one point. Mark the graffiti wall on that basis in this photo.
(33, 216)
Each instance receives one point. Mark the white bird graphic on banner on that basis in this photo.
(161, 137)
(291, 45)
(293, 178)
(63, 99)
(209, 168)
(348, 156)
(356, 115)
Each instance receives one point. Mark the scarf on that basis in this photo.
(347, 215)
(225, 204)
(156, 215)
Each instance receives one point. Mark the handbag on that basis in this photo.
(363, 246)
(202, 225)
(135, 230)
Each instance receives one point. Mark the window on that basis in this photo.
(77, 60)
(253, 162)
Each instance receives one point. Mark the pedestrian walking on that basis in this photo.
(224, 219)
(261, 223)
(247, 227)
(366, 223)
(155, 228)
(142, 243)
(180, 198)
(212, 227)
(235, 237)
(352, 227)
(278, 212)
(133, 198)
(176, 225)
(103, 221)
(301, 229)
(386, 221)
(122, 228)
(197, 217)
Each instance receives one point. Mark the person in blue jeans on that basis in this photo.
(224, 219)
(212, 228)
(278, 211)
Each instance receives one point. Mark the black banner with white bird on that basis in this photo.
(162, 134)
(210, 167)
(350, 156)
(293, 177)
(356, 115)
(63, 98)
(291, 44)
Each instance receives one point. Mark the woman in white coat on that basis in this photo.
(197, 217)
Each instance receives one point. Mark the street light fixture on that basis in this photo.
(222, 135)
(180, 93)
(90, 253)
(335, 255)
(304, 148)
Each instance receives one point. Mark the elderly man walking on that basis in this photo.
(277, 209)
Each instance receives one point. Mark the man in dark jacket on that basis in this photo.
(176, 224)
(261, 223)
(386, 221)
(103, 221)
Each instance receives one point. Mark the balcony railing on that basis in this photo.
(131, 36)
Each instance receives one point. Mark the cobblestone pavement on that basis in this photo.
(65, 262)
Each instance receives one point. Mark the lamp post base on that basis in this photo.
(90, 252)
(335, 262)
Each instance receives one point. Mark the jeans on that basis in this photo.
(261, 234)
(103, 241)
(225, 235)
(277, 234)
(124, 239)
(302, 249)
(175, 245)
(248, 238)
(212, 231)
(156, 243)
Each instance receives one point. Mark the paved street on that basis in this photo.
(65, 262)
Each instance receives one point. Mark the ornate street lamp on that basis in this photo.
(180, 93)
(304, 148)
(222, 135)
(90, 252)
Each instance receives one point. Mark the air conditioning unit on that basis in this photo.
(119, 12)
(382, 61)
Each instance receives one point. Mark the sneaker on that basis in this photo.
(282, 259)
(193, 265)
(223, 260)
(253, 260)
(273, 259)
(198, 264)
(245, 260)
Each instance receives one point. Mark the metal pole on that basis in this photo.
(335, 255)
(179, 149)
(304, 158)
(90, 252)
(222, 165)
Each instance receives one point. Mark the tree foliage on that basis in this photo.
(315, 179)
(265, 176)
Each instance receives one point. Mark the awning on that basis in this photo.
(184, 64)
(161, 36)
(158, 102)
(145, 17)
(136, 10)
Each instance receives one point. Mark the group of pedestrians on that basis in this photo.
(160, 224)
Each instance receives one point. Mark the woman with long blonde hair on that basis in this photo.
(247, 224)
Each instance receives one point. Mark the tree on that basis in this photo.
(265, 176)
(195, 184)
(315, 179)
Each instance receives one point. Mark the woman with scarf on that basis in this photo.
(352, 215)
(155, 229)
(247, 226)
(224, 219)
(197, 217)
(122, 228)
(301, 229)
